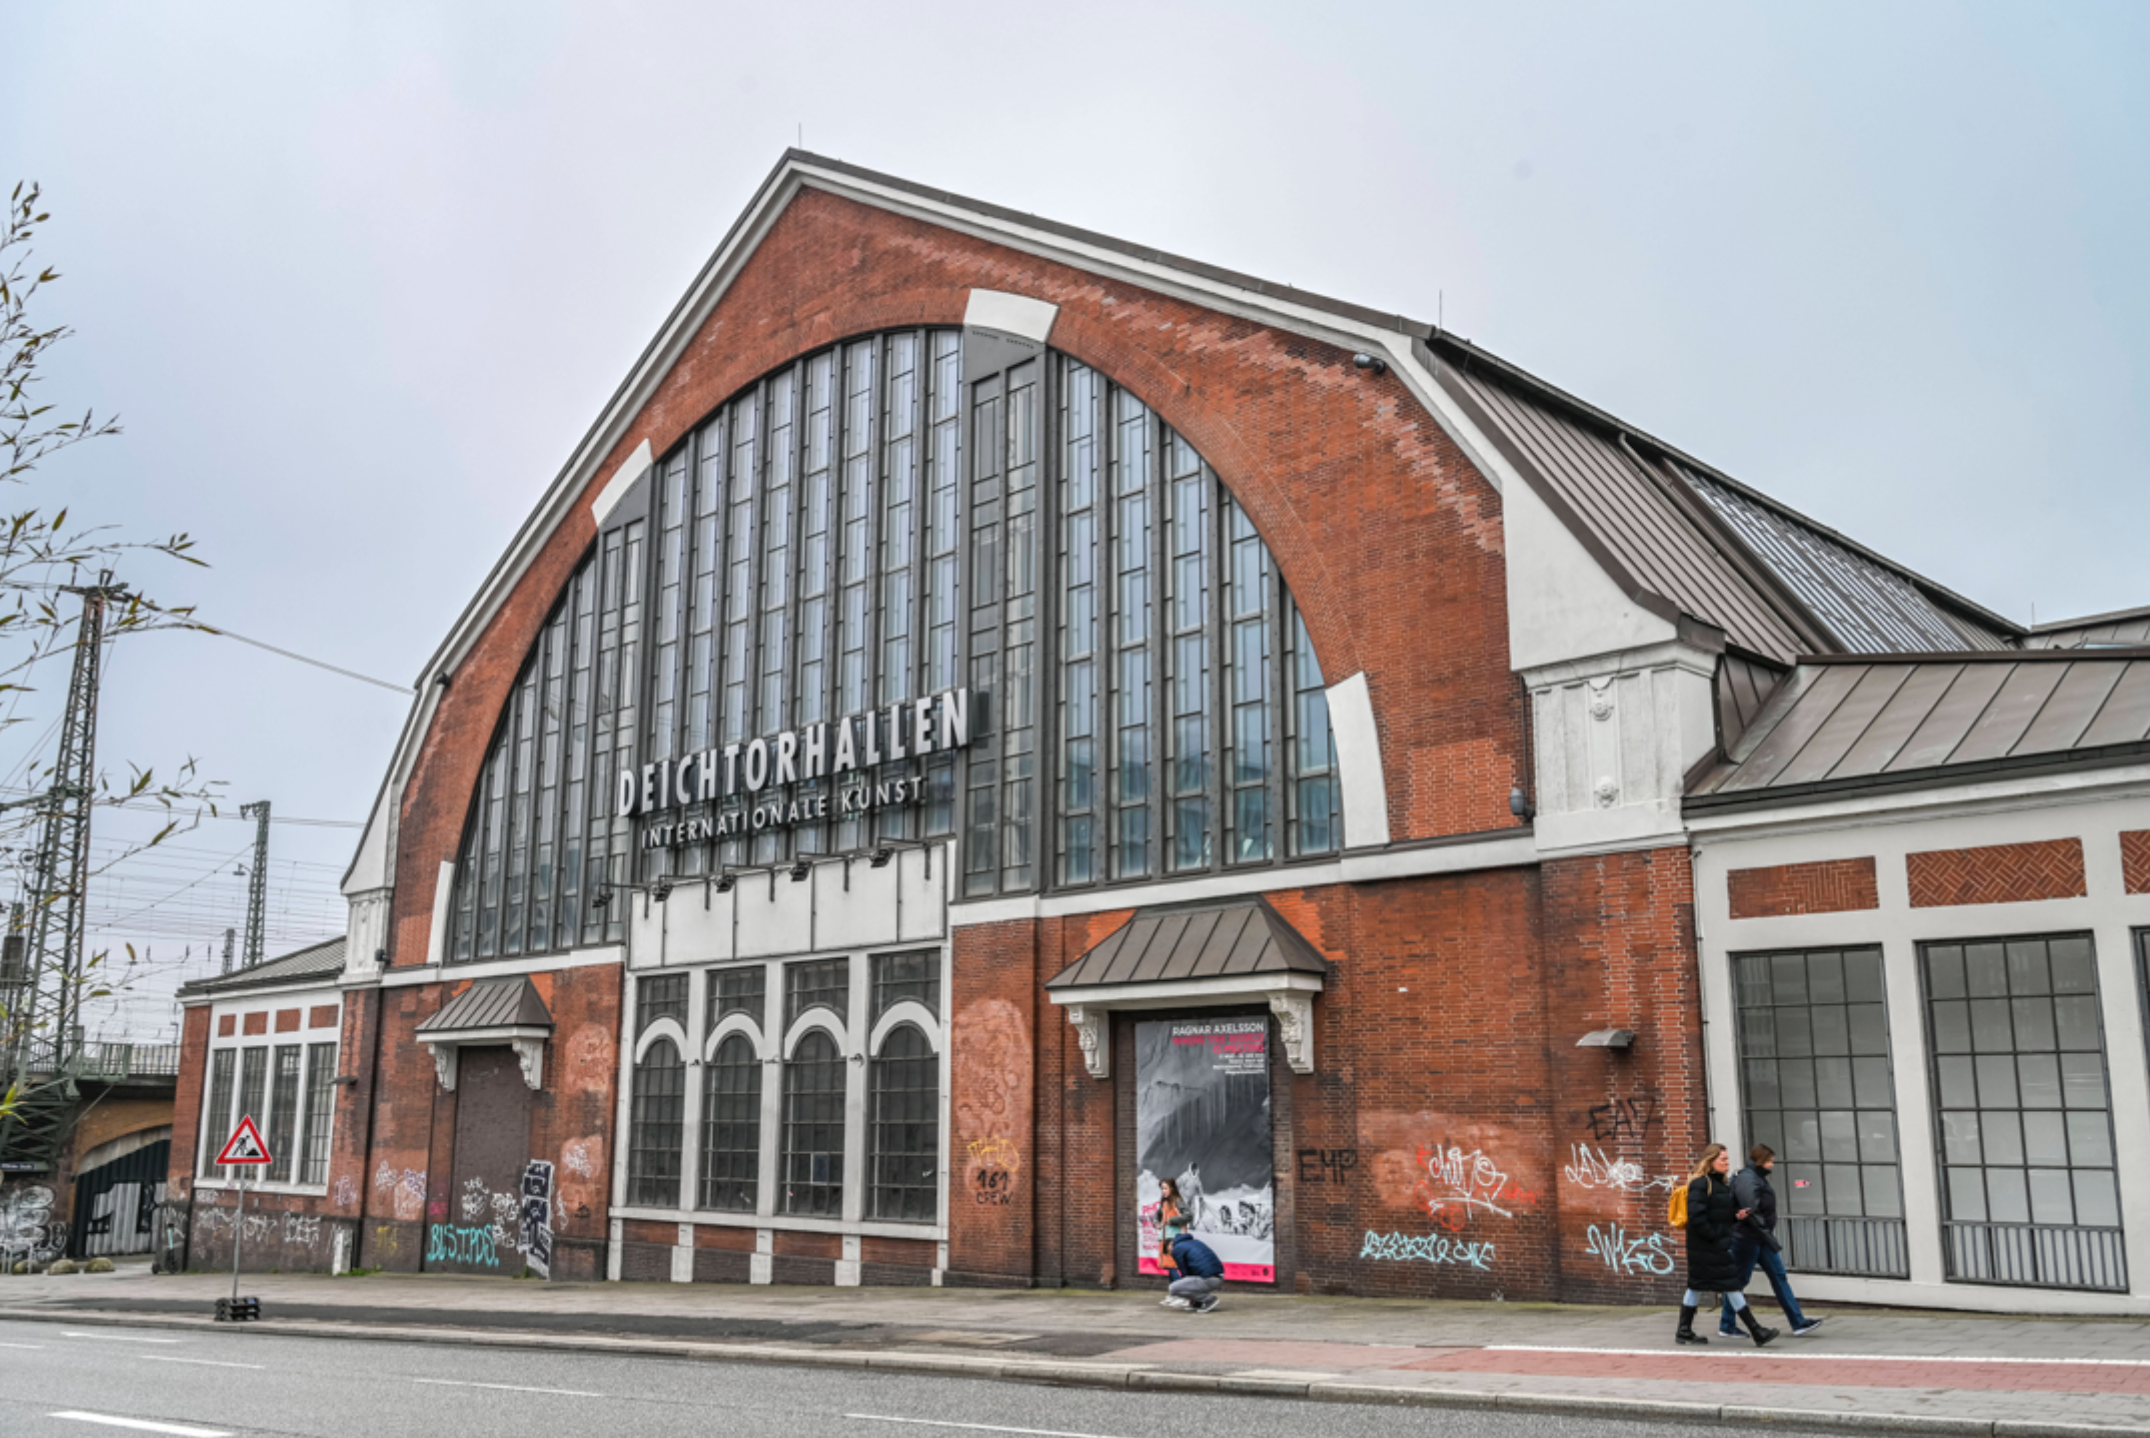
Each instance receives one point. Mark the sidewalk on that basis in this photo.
(1866, 1368)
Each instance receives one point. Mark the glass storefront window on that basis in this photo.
(1818, 1089)
(2022, 1114)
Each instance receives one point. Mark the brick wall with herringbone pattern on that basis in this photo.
(1997, 874)
(2135, 860)
(1833, 886)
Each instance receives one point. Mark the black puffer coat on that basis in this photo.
(1710, 1222)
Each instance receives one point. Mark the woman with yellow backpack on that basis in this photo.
(1708, 1211)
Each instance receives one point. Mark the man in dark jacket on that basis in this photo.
(1755, 1241)
(1201, 1273)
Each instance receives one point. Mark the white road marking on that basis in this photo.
(21, 1345)
(122, 1338)
(1812, 1353)
(973, 1427)
(203, 1362)
(181, 1429)
(509, 1387)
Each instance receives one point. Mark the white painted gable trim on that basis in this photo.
(1358, 764)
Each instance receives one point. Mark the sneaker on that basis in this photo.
(1176, 1303)
(1724, 1332)
(1800, 1330)
(1207, 1305)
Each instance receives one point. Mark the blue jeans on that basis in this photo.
(1747, 1255)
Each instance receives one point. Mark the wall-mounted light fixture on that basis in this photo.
(1372, 364)
(800, 870)
(725, 881)
(1607, 1039)
(1519, 805)
(880, 857)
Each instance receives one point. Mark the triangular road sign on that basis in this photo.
(244, 1145)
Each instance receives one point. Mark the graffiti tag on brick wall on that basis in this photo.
(462, 1243)
(1628, 1253)
(1326, 1165)
(405, 1190)
(536, 1216)
(346, 1193)
(1431, 1248)
(1462, 1183)
(1624, 1120)
(1593, 1168)
(994, 1163)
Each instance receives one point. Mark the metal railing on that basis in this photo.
(2030, 1255)
(1865, 1247)
(100, 1060)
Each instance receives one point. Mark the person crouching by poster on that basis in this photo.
(1711, 1214)
(1171, 1223)
(1755, 1241)
(1201, 1273)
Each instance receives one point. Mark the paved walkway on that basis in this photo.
(1927, 1371)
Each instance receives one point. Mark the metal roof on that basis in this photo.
(2094, 631)
(492, 1004)
(1866, 608)
(1623, 514)
(1874, 721)
(318, 961)
(1209, 941)
(1670, 529)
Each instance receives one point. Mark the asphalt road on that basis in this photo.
(91, 1382)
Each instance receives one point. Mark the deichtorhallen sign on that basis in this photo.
(855, 746)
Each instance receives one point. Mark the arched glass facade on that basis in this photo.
(887, 519)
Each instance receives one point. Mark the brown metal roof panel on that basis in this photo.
(1846, 726)
(1950, 719)
(1140, 934)
(1226, 927)
(1157, 955)
(1800, 723)
(1923, 686)
(2125, 719)
(1288, 947)
(2019, 701)
(2075, 702)
(1254, 950)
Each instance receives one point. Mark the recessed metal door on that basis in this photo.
(492, 1139)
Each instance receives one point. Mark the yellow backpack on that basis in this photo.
(1676, 1211)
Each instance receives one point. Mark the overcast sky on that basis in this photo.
(356, 277)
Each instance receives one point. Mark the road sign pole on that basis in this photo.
(238, 1235)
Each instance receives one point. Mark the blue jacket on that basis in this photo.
(1195, 1258)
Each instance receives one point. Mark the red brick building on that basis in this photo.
(992, 717)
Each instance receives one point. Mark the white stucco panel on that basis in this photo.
(1358, 763)
(1017, 315)
(1561, 605)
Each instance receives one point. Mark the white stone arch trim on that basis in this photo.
(815, 1018)
(666, 1028)
(906, 1011)
(734, 1023)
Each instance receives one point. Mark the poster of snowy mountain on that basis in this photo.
(1202, 1118)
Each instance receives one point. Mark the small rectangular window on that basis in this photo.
(738, 991)
(825, 983)
(660, 996)
(899, 977)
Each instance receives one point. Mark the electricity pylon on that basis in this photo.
(257, 881)
(51, 999)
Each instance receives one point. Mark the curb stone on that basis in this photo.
(1100, 1375)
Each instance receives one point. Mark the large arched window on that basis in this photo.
(904, 1094)
(813, 1164)
(731, 1127)
(659, 1110)
(884, 520)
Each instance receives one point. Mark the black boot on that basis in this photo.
(1761, 1336)
(1687, 1332)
